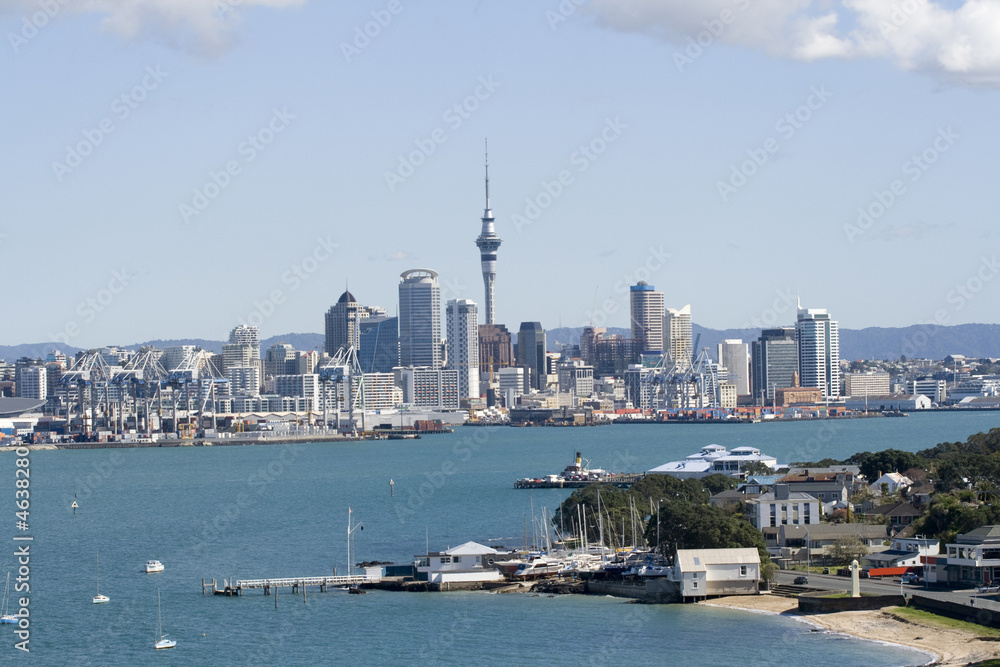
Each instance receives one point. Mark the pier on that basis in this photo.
(235, 588)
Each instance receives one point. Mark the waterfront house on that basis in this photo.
(974, 558)
(904, 552)
(782, 506)
(827, 487)
(703, 573)
(466, 562)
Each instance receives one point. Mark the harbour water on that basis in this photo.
(271, 511)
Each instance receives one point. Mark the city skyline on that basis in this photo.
(166, 152)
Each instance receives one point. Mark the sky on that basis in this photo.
(173, 168)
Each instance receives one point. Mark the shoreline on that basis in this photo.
(944, 647)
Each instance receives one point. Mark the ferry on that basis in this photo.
(576, 475)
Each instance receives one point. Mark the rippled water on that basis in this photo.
(270, 511)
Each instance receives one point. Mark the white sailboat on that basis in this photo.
(6, 618)
(100, 599)
(161, 641)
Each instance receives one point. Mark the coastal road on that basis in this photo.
(829, 582)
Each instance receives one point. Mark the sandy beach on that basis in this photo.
(953, 648)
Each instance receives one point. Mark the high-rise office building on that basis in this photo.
(775, 359)
(488, 243)
(463, 345)
(531, 353)
(734, 354)
(677, 335)
(646, 310)
(496, 349)
(819, 351)
(343, 323)
(419, 318)
(379, 342)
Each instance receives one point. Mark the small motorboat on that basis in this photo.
(154, 566)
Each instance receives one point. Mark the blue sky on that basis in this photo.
(172, 168)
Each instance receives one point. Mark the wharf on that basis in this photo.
(622, 481)
(235, 588)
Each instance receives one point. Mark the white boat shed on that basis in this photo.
(708, 572)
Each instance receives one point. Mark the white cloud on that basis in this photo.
(959, 43)
(203, 26)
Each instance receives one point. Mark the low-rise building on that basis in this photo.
(781, 506)
(974, 558)
(466, 562)
(702, 573)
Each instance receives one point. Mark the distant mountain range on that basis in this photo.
(920, 341)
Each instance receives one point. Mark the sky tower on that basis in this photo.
(488, 243)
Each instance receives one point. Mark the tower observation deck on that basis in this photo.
(488, 243)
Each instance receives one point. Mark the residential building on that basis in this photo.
(244, 380)
(420, 319)
(898, 515)
(781, 506)
(828, 487)
(818, 337)
(775, 359)
(302, 386)
(870, 383)
(734, 355)
(890, 482)
(677, 339)
(463, 345)
(646, 310)
(974, 557)
(32, 382)
(819, 538)
(276, 359)
(530, 353)
(426, 387)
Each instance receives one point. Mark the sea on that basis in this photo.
(274, 511)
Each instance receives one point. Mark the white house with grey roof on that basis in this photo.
(466, 562)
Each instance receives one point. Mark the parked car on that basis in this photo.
(911, 578)
(844, 572)
(800, 581)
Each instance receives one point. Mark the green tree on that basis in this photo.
(872, 464)
(845, 549)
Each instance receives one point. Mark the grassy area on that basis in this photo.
(987, 663)
(934, 621)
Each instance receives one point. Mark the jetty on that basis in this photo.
(233, 588)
